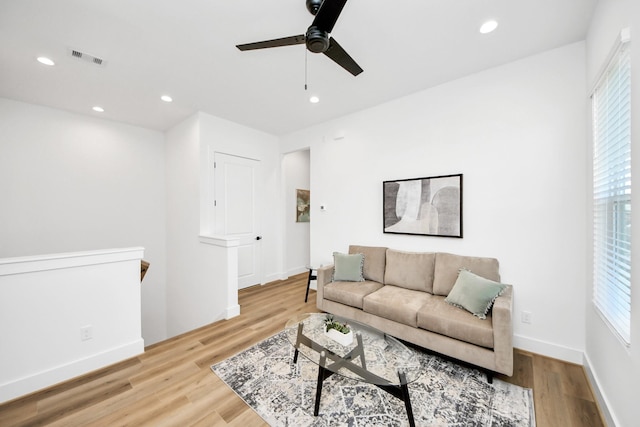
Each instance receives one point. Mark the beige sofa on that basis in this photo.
(403, 294)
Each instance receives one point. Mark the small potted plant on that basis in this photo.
(337, 331)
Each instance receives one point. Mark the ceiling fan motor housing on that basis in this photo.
(317, 40)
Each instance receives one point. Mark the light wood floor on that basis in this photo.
(171, 384)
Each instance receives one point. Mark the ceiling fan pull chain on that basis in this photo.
(306, 72)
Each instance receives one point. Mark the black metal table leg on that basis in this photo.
(359, 351)
(309, 279)
(321, 376)
(405, 397)
(298, 341)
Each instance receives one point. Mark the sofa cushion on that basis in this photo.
(375, 259)
(448, 265)
(410, 270)
(474, 293)
(394, 303)
(350, 293)
(444, 319)
(347, 268)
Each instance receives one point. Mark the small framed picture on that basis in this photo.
(303, 198)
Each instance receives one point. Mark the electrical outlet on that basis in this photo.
(527, 317)
(86, 333)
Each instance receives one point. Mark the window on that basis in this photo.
(611, 103)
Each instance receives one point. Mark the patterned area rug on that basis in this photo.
(446, 394)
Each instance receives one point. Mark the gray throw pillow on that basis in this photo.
(474, 293)
(347, 267)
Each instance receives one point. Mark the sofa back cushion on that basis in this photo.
(374, 261)
(410, 270)
(448, 266)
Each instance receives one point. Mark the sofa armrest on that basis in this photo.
(503, 331)
(324, 276)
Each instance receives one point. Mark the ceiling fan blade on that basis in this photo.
(284, 41)
(328, 14)
(342, 58)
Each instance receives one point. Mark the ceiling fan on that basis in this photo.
(317, 37)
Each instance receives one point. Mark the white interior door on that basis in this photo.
(235, 208)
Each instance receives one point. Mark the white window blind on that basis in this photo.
(611, 103)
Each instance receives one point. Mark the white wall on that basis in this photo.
(70, 183)
(295, 171)
(223, 136)
(187, 297)
(197, 291)
(615, 368)
(517, 133)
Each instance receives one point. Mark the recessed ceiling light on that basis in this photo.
(488, 27)
(46, 61)
(314, 99)
(166, 98)
(98, 109)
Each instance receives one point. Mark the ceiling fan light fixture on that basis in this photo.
(317, 40)
(488, 26)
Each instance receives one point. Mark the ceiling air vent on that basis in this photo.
(87, 58)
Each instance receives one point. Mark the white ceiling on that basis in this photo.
(186, 49)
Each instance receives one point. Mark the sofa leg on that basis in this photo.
(489, 377)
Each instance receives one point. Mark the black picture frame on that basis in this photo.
(430, 206)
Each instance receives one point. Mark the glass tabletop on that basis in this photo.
(373, 356)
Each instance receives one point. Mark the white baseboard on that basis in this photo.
(297, 270)
(548, 349)
(274, 278)
(58, 374)
(232, 311)
(603, 402)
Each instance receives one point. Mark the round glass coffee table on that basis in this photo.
(372, 357)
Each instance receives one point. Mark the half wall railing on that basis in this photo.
(64, 315)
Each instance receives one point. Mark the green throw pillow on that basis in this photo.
(347, 267)
(474, 293)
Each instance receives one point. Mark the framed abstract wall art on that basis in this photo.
(425, 206)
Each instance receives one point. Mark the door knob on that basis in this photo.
(258, 237)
